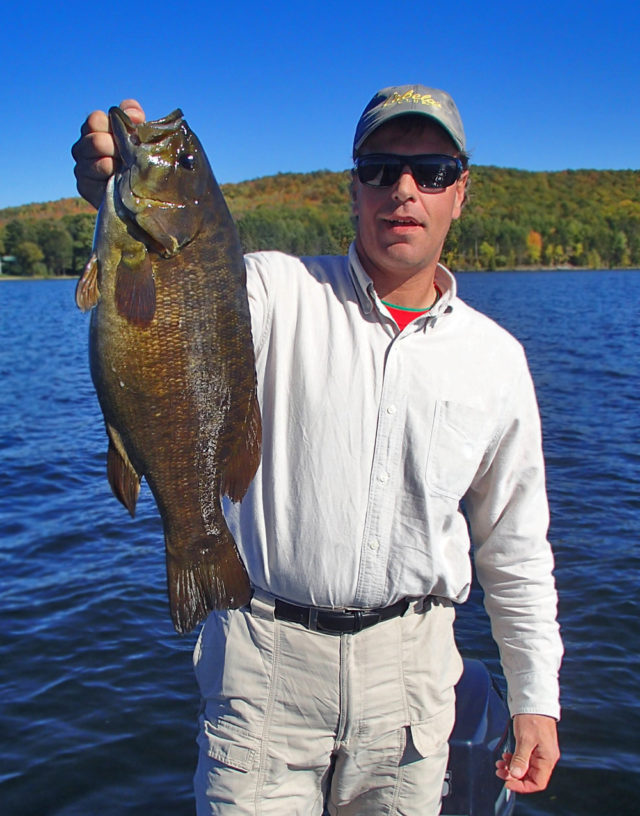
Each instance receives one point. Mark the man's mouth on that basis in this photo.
(400, 221)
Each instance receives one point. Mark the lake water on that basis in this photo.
(97, 699)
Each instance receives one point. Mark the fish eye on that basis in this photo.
(187, 160)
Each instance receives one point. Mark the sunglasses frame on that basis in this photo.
(398, 162)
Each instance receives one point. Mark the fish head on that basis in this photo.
(164, 182)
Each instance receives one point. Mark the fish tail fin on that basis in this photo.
(210, 575)
(245, 459)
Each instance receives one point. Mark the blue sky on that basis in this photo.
(276, 87)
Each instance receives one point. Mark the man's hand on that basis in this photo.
(529, 768)
(95, 151)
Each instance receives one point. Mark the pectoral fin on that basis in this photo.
(87, 294)
(244, 462)
(123, 477)
(136, 289)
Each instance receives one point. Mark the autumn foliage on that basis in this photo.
(513, 219)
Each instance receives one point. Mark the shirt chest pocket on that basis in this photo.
(458, 442)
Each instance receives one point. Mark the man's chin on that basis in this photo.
(403, 255)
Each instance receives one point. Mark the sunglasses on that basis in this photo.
(431, 171)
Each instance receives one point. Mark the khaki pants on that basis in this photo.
(300, 723)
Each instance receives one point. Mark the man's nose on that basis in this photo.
(405, 187)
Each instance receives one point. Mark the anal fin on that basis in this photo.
(123, 477)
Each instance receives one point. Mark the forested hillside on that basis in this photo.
(513, 219)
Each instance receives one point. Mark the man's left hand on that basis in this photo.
(529, 768)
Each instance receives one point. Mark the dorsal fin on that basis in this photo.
(245, 459)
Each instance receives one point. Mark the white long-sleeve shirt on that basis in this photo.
(372, 440)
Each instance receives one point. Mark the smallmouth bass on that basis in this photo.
(171, 355)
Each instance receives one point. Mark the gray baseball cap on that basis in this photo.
(403, 99)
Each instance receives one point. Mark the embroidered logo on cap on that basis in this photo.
(411, 96)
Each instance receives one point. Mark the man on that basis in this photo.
(387, 404)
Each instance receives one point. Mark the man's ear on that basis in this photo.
(461, 194)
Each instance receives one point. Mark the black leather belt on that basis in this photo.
(337, 621)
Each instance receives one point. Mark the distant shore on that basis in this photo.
(37, 277)
(455, 271)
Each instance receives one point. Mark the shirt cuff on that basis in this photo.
(533, 694)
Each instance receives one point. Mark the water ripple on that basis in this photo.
(98, 702)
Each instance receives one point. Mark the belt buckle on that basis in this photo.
(358, 621)
(349, 621)
(356, 618)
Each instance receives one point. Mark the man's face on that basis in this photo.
(401, 229)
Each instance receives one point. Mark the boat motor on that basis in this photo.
(480, 736)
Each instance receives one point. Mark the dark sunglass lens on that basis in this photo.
(377, 172)
(429, 172)
(436, 174)
(390, 173)
(367, 171)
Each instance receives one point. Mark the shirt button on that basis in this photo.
(374, 544)
(383, 477)
(391, 409)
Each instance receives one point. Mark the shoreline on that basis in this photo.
(38, 277)
(513, 270)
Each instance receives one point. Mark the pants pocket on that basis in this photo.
(234, 666)
(228, 744)
(429, 736)
(431, 663)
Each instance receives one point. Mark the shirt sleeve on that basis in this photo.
(509, 518)
(258, 267)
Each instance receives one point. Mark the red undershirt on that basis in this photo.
(404, 316)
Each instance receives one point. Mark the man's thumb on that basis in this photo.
(518, 766)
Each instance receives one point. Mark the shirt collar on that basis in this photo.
(370, 300)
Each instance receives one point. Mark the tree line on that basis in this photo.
(513, 219)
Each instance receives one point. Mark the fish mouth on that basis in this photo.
(125, 135)
(144, 139)
(129, 136)
(135, 204)
(128, 207)
(144, 144)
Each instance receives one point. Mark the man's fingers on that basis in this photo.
(519, 764)
(508, 767)
(98, 120)
(98, 170)
(536, 777)
(530, 766)
(94, 146)
(95, 151)
(96, 160)
(133, 109)
(91, 190)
